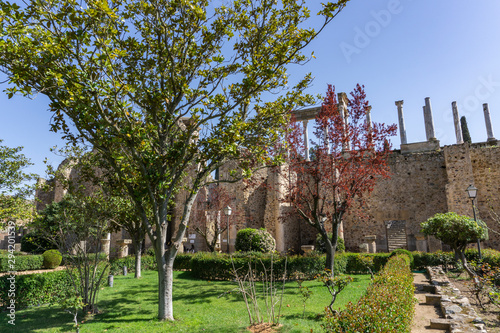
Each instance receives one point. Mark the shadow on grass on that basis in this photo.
(36, 318)
(309, 315)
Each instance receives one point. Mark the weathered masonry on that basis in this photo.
(427, 178)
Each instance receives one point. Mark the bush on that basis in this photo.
(147, 263)
(22, 262)
(387, 306)
(183, 261)
(255, 240)
(405, 252)
(51, 259)
(214, 266)
(424, 259)
(35, 244)
(35, 289)
(356, 264)
(320, 244)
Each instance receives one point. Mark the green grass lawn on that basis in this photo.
(131, 306)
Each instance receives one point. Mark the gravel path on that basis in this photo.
(60, 268)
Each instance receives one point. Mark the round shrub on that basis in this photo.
(403, 251)
(51, 259)
(320, 244)
(254, 240)
(33, 243)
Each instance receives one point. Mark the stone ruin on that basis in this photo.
(427, 178)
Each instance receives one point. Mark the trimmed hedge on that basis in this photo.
(183, 261)
(51, 259)
(255, 240)
(388, 305)
(405, 252)
(22, 262)
(35, 289)
(215, 266)
(147, 263)
(357, 266)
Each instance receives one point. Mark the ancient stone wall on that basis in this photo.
(421, 185)
(485, 161)
(414, 192)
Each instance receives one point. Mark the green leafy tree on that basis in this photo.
(124, 216)
(76, 225)
(165, 91)
(457, 231)
(13, 184)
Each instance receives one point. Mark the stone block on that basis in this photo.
(123, 247)
(307, 248)
(364, 248)
(371, 241)
(432, 299)
(440, 324)
(429, 289)
(105, 246)
(419, 147)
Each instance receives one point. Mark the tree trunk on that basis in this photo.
(466, 266)
(331, 246)
(165, 279)
(138, 254)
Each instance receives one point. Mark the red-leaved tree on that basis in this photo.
(350, 155)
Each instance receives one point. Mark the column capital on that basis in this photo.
(399, 103)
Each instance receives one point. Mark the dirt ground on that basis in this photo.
(423, 312)
(490, 314)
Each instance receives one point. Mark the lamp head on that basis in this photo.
(472, 191)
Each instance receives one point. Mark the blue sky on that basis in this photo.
(447, 50)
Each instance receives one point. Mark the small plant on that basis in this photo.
(51, 259)
(486, 285)
(71, 303)
(367, 261)
(334, 284)
(270, 293)
(305, 293)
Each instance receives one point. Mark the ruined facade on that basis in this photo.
(426, 179)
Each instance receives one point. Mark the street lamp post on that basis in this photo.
(472, 192)
(227, 211)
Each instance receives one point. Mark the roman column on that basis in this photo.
(487, 119)
(456, 121)
(401, 117)
(429, 122)
(306, 141)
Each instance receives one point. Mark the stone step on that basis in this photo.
(432, 299)
(440, 324)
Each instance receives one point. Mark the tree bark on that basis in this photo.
(138, 253)
(469, 271)
(331, 246)
(165, 279)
